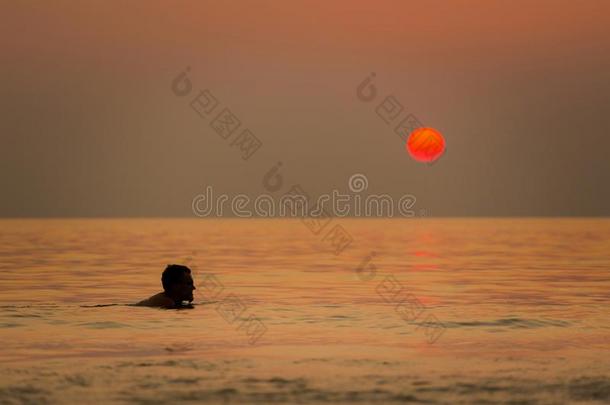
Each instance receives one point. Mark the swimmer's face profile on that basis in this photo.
(182, 289)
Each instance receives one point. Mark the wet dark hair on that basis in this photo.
(172, 274)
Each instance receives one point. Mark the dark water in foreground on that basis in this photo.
(453, 311)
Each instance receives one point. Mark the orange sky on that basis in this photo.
(89, 119)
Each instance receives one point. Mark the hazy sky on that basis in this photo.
(90, 125)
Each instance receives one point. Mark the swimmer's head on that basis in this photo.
(178, 283)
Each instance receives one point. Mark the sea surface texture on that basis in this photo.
(362, 311)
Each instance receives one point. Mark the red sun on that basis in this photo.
(426, 145)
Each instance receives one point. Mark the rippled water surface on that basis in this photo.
(430, 311)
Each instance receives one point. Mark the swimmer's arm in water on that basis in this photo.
(158, 300)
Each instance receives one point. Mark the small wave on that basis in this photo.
(24, 394)
(56, 306)
(9, 325)
(134, 305)
(104, 325)
(515, 323)
(29, 306)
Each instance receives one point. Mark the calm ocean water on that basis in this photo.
(424, 310)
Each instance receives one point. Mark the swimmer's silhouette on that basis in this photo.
(177, 288)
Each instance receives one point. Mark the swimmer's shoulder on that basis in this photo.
(157, 300)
